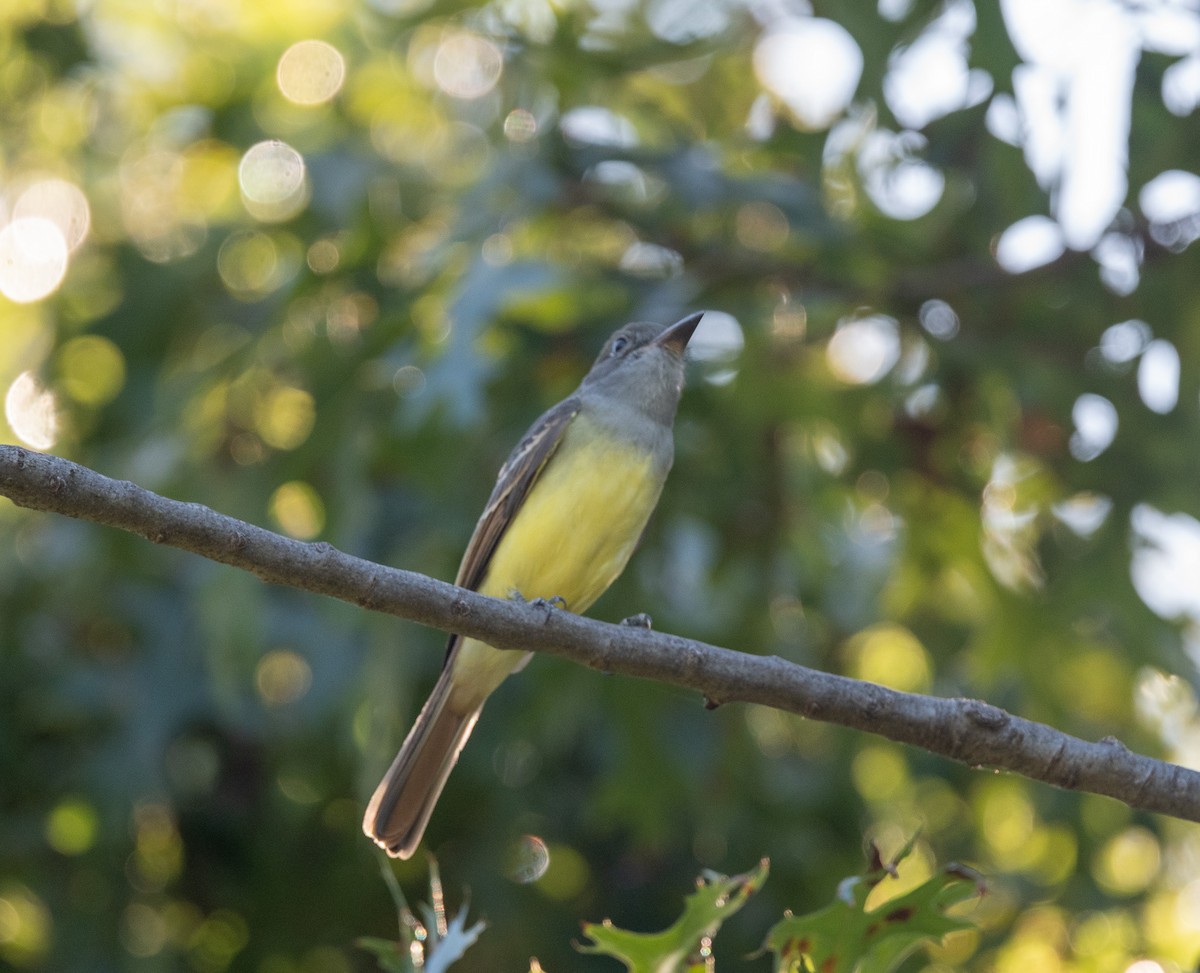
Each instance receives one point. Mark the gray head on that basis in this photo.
(641, 366)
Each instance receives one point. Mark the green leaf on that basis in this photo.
(845, 937)
(716, 898)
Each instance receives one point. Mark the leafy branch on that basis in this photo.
(429, 945)
(850, 935)
(970, 731)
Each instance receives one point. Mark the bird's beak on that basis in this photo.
(676, 337)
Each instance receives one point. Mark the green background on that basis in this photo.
(185, 752)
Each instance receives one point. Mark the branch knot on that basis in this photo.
(984, 714)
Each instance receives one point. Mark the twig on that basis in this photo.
(965, 730)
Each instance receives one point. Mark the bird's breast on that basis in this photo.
(583, 516)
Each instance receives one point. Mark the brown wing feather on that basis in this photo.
(513, 483)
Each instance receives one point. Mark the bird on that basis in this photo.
(569, 507)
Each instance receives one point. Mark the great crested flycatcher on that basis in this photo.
(569, 507)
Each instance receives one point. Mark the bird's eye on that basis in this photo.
(618, 346)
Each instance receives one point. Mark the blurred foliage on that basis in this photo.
(325, 287)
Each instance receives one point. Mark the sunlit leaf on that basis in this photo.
(716, 898)
(846, 937)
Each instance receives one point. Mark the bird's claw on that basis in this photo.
(640, 620)
(550, 603)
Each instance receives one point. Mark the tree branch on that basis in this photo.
(965, 730)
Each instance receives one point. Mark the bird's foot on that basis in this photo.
(545, 604)
(640, 620)
(550, 603)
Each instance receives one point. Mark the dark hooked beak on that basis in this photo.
(676, 337)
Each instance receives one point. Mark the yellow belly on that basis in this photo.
(579, 525)
(570, 539)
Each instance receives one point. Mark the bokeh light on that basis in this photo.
(272, 177)
(1123, 342)
(323, 256)
(685, 21)
(880, 772)
(310, 72)
(1096, 421)
(1029, 243)
(890, 655)
(528, 859)
(409, 381)
(1181, 86)
(33, 258)
(158, 849)
(143, 930)
(281, 677)
(284, 417)
(1007, 817)
(651, 260)
(1128, 862)
(1158, 376)
(165, 200)
(930, 77)
(466, 65)
(91, 369)
(593, 125)
(59, 201)
(863, 350)
(71, 827)
(939, 319)
(567, 874)
(812, 65)
(297, 508)
(217, 940)
(761, 226)
(1171, 202)
(1072, 91)
(1084, 512)
(26, 926)
(1166, 561)
(32, 412)
(520, 125)
(899, 182)
(252, 263)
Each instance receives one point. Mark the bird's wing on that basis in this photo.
(516, 478)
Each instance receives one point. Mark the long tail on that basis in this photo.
(404, 800)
